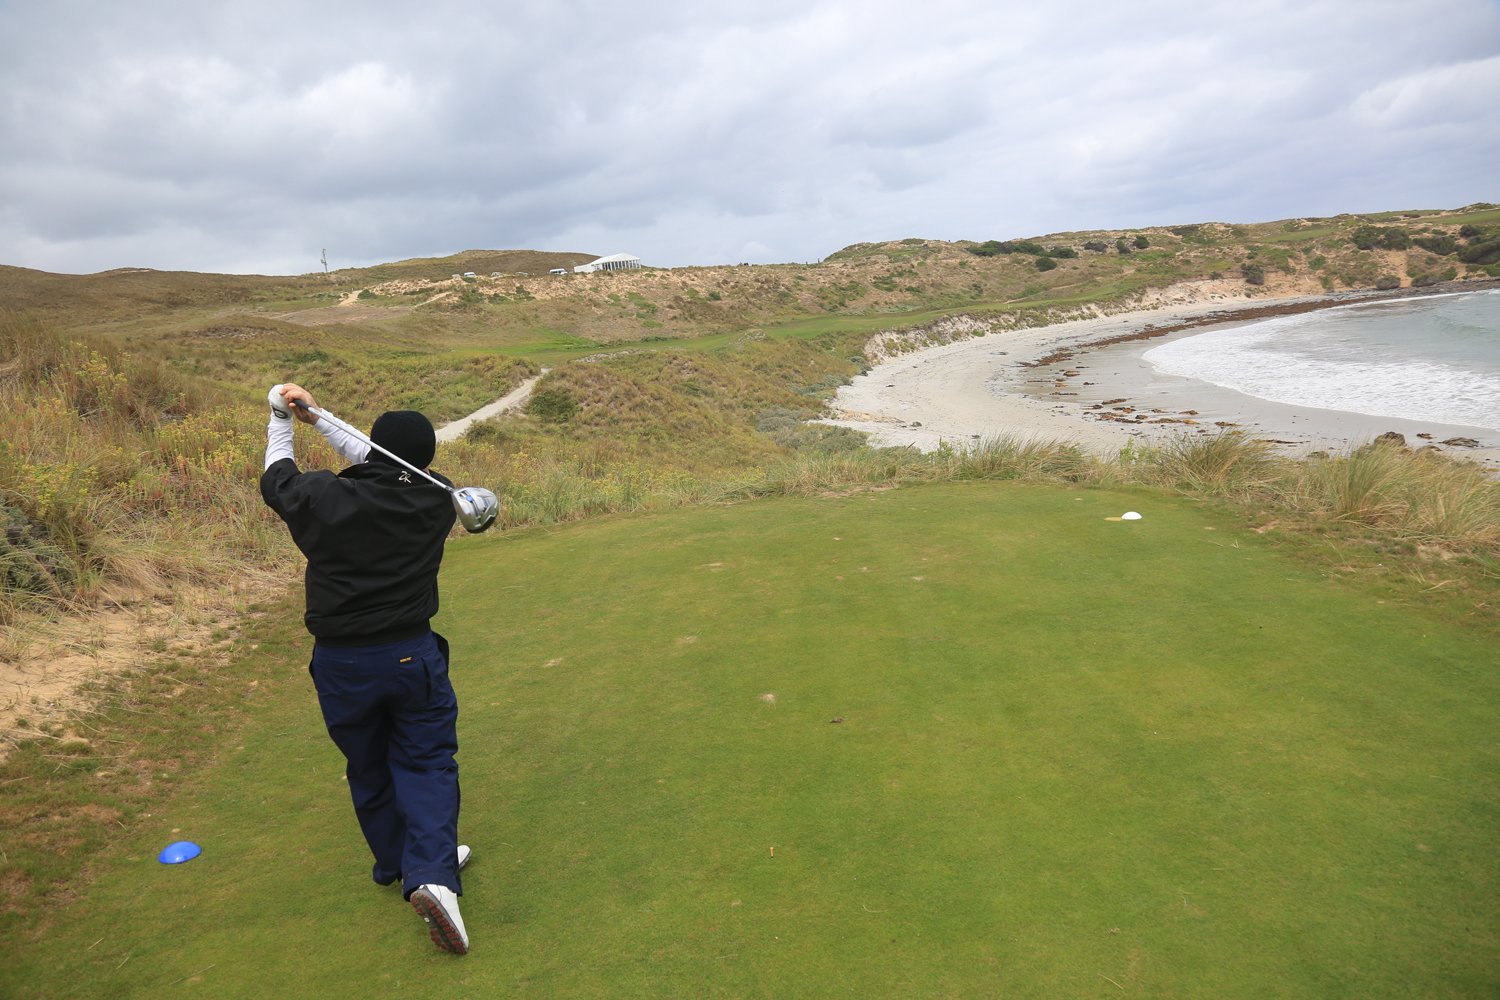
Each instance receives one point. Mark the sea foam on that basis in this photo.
(1434, 359)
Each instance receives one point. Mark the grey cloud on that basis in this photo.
(233, 137)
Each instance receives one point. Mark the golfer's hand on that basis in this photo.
(298, 399)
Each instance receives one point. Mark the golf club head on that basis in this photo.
(477, 508)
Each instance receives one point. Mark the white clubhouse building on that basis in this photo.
(614, 262)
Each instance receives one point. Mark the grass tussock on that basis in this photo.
(122, 478)
(1377, 486)
(1382, 486)
(90, 376)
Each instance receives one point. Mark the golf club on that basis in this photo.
(477, 507)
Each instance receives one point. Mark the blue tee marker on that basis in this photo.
(176, 854)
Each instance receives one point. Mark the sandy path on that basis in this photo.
(992, 385)
(516, 397)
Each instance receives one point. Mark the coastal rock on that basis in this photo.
(1391, 437)
(1461, 443)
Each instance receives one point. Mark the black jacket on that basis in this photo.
(373, 536)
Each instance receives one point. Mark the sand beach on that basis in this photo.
(1086, 381)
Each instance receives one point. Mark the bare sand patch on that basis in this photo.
(46, 662)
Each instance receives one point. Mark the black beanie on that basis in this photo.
(408, 434)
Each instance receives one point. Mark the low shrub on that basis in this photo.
(1440, 245)
(1423, 280)
(995, 248)
(837, 296)
(29, 562)
(826, 384)
(777, 418)
(486, 432)
(815, 439)
(552, 406)
(1481, 252)
(990, 248)
(1384, 238)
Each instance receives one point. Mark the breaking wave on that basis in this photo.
(1432, 359)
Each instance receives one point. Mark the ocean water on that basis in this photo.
(1434, 359)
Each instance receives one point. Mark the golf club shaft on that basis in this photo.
(347, 429)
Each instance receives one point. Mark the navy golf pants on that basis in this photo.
(392, 712)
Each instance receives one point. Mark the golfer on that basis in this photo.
(373, 536)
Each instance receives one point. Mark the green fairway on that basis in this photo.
(558, 351)
(1015, 750)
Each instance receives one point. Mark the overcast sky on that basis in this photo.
(249, 136)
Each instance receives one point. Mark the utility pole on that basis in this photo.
(324, 260)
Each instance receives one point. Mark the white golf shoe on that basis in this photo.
(464, 854)
(438, 905)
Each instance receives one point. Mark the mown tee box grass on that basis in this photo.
(964, 740)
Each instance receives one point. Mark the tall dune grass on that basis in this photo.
(1378, 486)
(1382, 486)
(122, 480)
